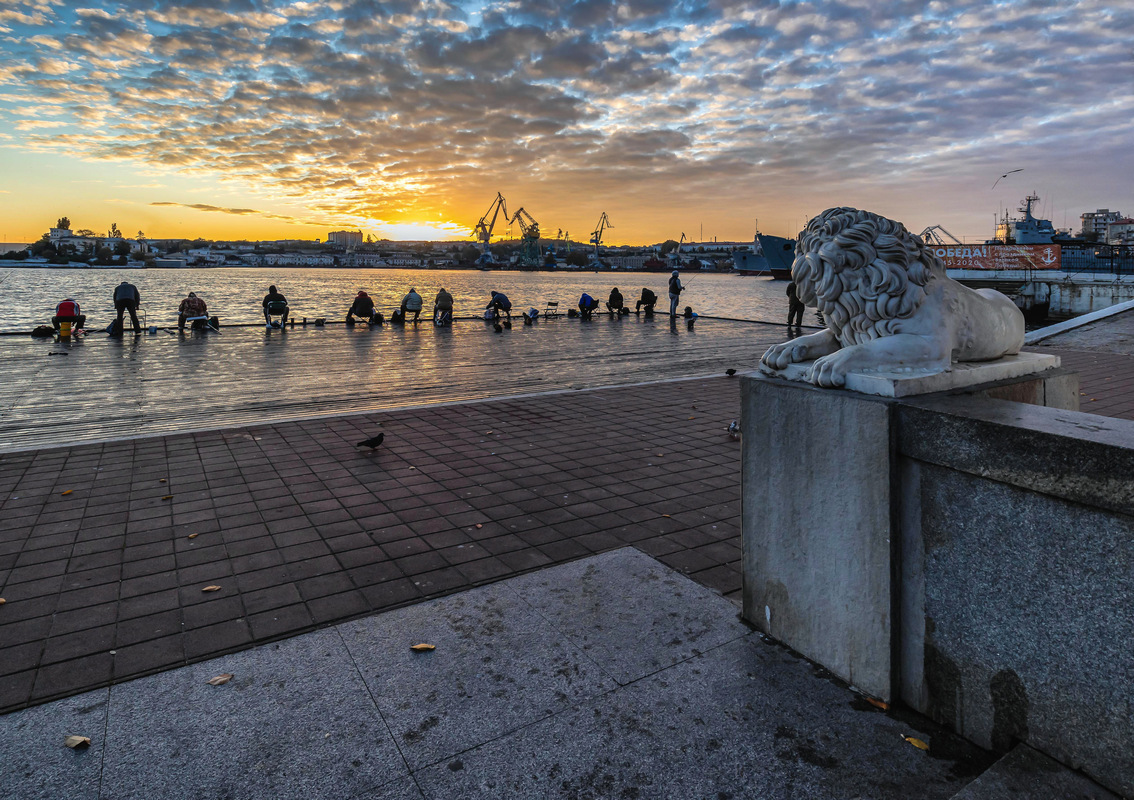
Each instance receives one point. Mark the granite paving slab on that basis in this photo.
(499, 665)
(520, 711)
(35, 764)
(1025, 774)
(663, 621)
(294, 721)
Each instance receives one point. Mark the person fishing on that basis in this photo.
(68, 311)
(587, 306)
(500, 302)
(362, 307)
(411, 302)
(614, 303)
(675, 289)
(127, 298)
(275, 304)
(795, 306)
(648, 299)
(191, 306)
(442, 307)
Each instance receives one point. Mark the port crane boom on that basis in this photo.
(485, 226)
(529, 230)
(596, 237)
(931, 236)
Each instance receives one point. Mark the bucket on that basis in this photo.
(153, 329)
(65, 329)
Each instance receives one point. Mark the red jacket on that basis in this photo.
(68, 308)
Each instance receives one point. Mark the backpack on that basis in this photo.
(115, 327)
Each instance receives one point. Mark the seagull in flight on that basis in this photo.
(1006, 174)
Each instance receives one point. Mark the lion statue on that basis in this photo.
(888, 304)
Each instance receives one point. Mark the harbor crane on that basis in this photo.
(931, 236)
(529, 238)
(596, 237)
(485, 226)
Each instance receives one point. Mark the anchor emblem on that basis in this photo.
(1048, 256)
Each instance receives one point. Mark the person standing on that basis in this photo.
(795, 306)
(274, 304)
(412, 302)
(675, 290)
(126, 298)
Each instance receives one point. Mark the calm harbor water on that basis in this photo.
(29, 295)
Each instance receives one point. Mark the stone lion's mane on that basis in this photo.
(864, 272)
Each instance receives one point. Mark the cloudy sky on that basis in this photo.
(225, 118)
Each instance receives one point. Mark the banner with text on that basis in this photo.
(999, 256)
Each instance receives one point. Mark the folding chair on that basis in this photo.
(551, 310)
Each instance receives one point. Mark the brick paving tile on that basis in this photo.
(300, 529)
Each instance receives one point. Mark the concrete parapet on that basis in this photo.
(972, 558)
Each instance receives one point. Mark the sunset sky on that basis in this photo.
(264, 120)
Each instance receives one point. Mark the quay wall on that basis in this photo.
(968, 555)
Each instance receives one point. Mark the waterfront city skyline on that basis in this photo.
(270, 120)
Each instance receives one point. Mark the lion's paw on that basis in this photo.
(831, 371)
(779, 356)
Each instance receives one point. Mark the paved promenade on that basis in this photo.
(108, 551)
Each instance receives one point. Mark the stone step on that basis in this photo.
(1027, 774)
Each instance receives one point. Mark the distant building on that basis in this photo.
(345, 238)
(1121, 231)
(1096, 221)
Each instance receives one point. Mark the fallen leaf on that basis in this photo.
(918, 743)
(161, 480)
(421, 648)
(692, 418)
(659, 455)
(479, 526)
(211, 589)
(77, 741)
(67, 492)
(168, 497)
(220, 680)
(666, 516)
(413, 467)
(2, 601)
(194, 535)
(878, 704)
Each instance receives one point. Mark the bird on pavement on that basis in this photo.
(372, 443)
(730, 372)
(734, 430)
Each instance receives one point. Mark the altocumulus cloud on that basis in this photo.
(394, 109)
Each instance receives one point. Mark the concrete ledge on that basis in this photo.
(1027, 774)
(1034, 337)
(1074, 456)
(914, 382)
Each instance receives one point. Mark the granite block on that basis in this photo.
(498, 666)
(294, 722)
(664, 620)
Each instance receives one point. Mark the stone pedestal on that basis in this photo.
(820, 506)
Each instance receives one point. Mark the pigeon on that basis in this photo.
(372, 443)
(734, 430)
(730, 372)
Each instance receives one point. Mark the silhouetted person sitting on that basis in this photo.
(587, 306)
(648, 299)
(411, 302)
(614, 302)
(275, 305)
(191, 306)
(362, 307)
(442, 307)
